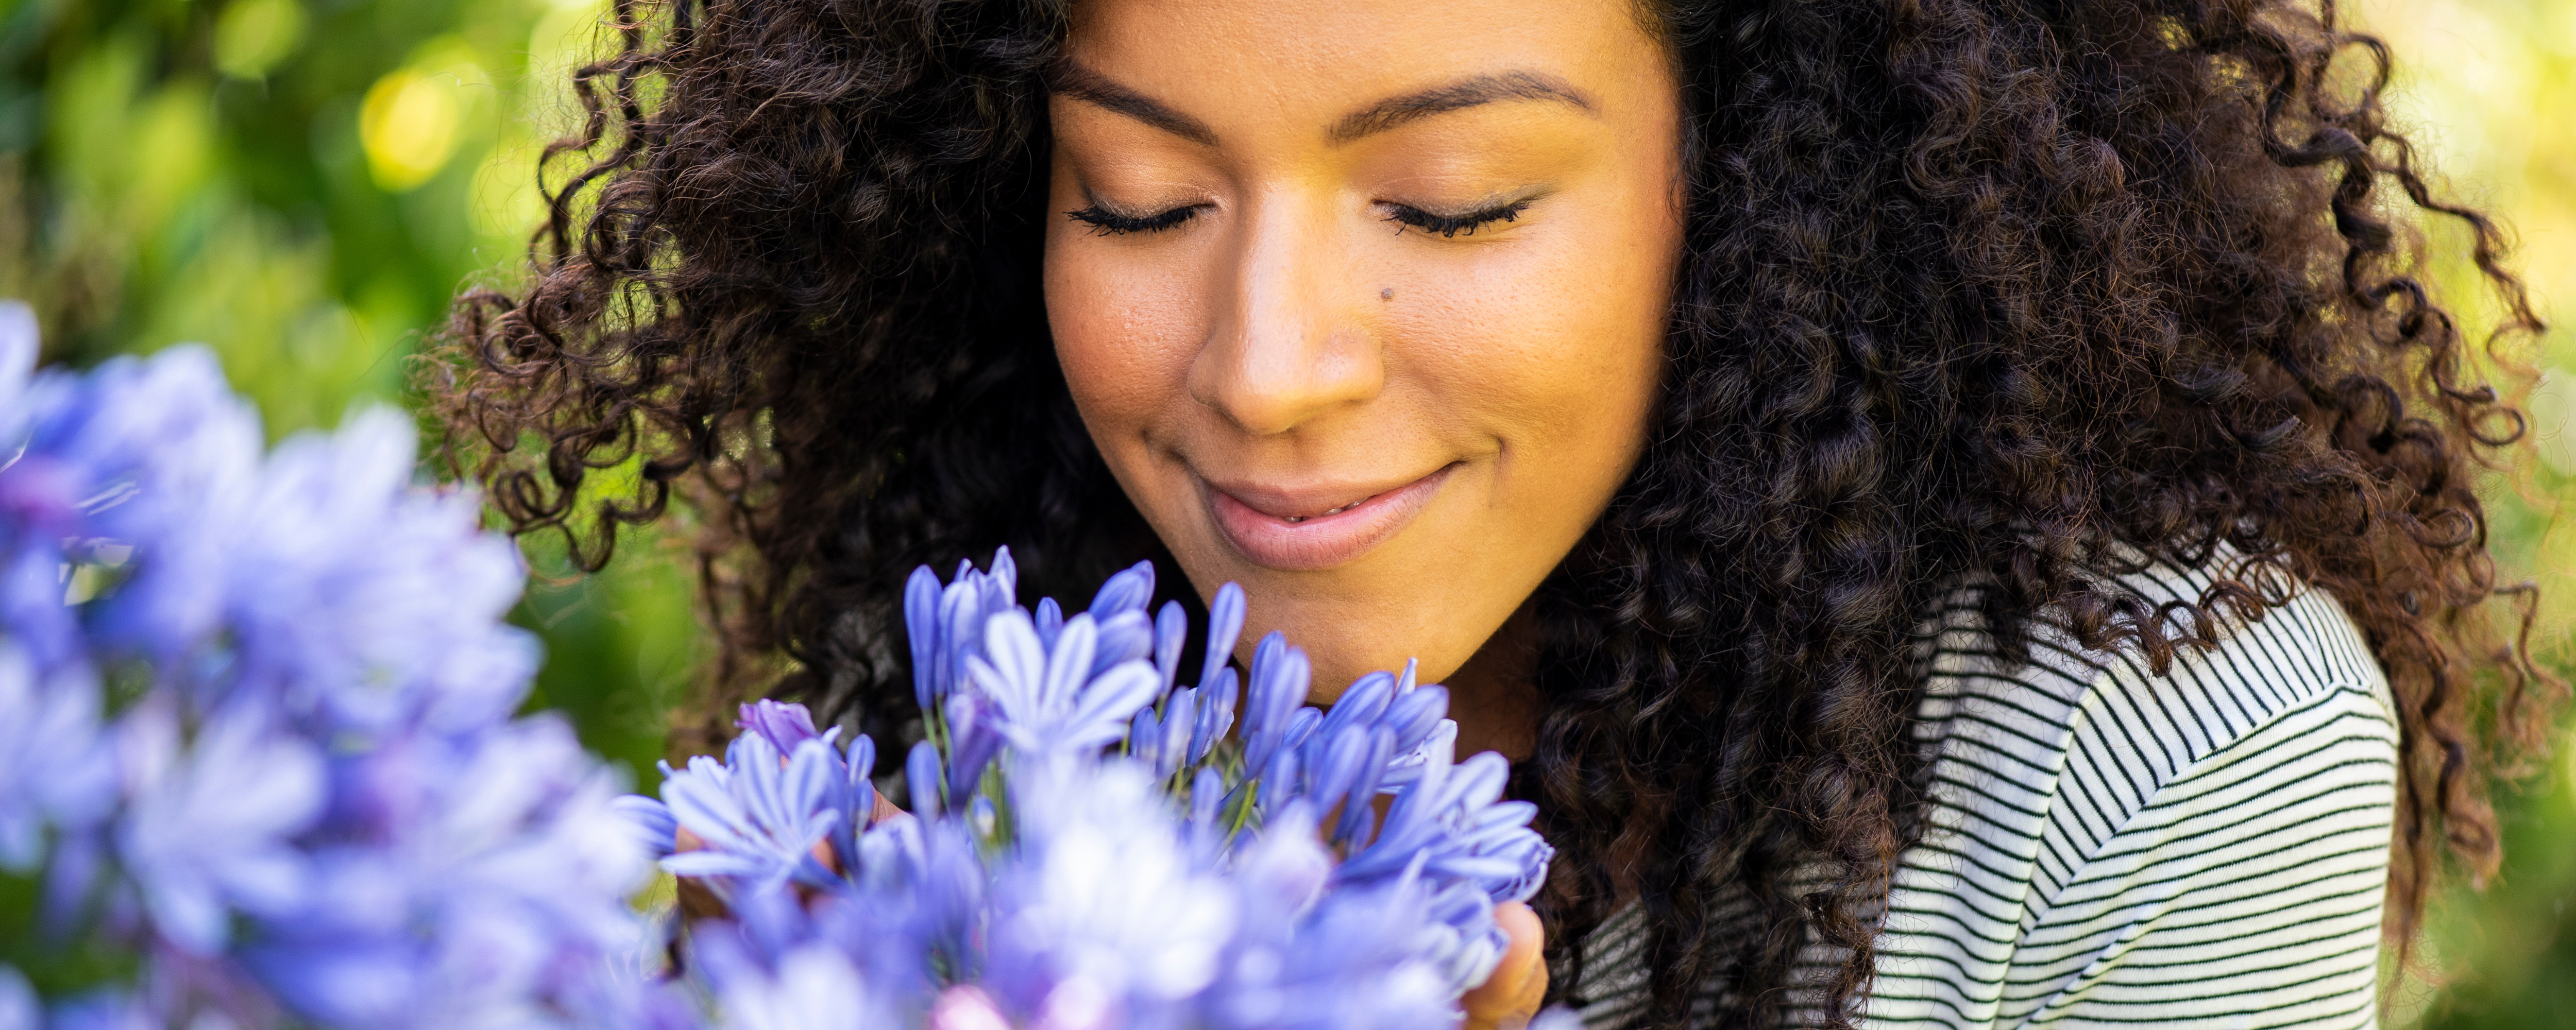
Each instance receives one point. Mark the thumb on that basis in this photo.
(1510, 997)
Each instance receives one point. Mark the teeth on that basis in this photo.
(1295, 519)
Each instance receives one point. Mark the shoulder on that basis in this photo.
(2108, 706)
(2074, 743)
(2088, 818)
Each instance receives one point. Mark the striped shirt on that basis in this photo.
(2105, 847)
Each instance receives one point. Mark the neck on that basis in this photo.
(1493, 697)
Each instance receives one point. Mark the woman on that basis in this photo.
(1959, 510)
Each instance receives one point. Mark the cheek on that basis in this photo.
(1556, 344)
(1124, 333)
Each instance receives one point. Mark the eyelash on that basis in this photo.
(1105, 222)
(1110, 223)
(1451, 225)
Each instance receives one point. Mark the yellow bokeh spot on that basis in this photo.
(408, 126)
(252, 36)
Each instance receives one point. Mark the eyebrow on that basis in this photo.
(1465, 93)
(1080, 83)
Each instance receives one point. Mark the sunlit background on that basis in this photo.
(302, 185)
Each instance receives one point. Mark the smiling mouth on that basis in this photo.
(1318, 539)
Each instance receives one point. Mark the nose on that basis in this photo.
(1284, 346)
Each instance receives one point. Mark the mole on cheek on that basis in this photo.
(1386, 294)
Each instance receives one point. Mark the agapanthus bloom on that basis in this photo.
(1097, 845)
(257, 734)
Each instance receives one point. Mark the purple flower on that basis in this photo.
(1171, 632)
(1049, 701)
(1128, 591)
(784, 726)
(1050, 621)
(54, 766)
(361, 600)
(20, 1009)
(923, 776)
(815, 987)
(210, 824)
(1311, 957)
(320, 743)
(1278, 681)
(1101, 917)
(1180, 719)
(1180, 884)
(945, 624)
(1454, 820)
(760, 812)
(973, 741)
(18, 344)
(497, 889)
(105, 1009)
(1125, 637)
(921, 597)
(1225, 625)
(135, 451)
(1145, 737)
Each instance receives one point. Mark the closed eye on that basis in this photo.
(1106, 222)
(1452, 225)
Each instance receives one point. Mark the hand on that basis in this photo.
(1509, 998)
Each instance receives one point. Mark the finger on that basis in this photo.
(1510, 997)
(698, 901)
(885, 810)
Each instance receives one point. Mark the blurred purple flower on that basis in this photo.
(784, 726)
(54, 765)
(497, 890)
(20, 1009)
(323, 750)
(815, 987)
(654, 826)
(1100, 917)
(922, 776)
(210, 825)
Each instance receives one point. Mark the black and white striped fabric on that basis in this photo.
(2110, 848)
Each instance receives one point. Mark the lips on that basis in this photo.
(1312, 529)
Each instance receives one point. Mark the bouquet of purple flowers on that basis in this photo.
(1095, 846)
(260, 766)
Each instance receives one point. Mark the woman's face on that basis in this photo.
(1363, 301)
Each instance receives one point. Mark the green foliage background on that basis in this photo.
(303, 184)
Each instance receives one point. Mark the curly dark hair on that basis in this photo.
(2018, 293)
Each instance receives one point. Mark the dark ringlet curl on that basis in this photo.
(2020, 293)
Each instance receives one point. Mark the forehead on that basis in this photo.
(1310, 60)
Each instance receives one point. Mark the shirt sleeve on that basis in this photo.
(2244, 892)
